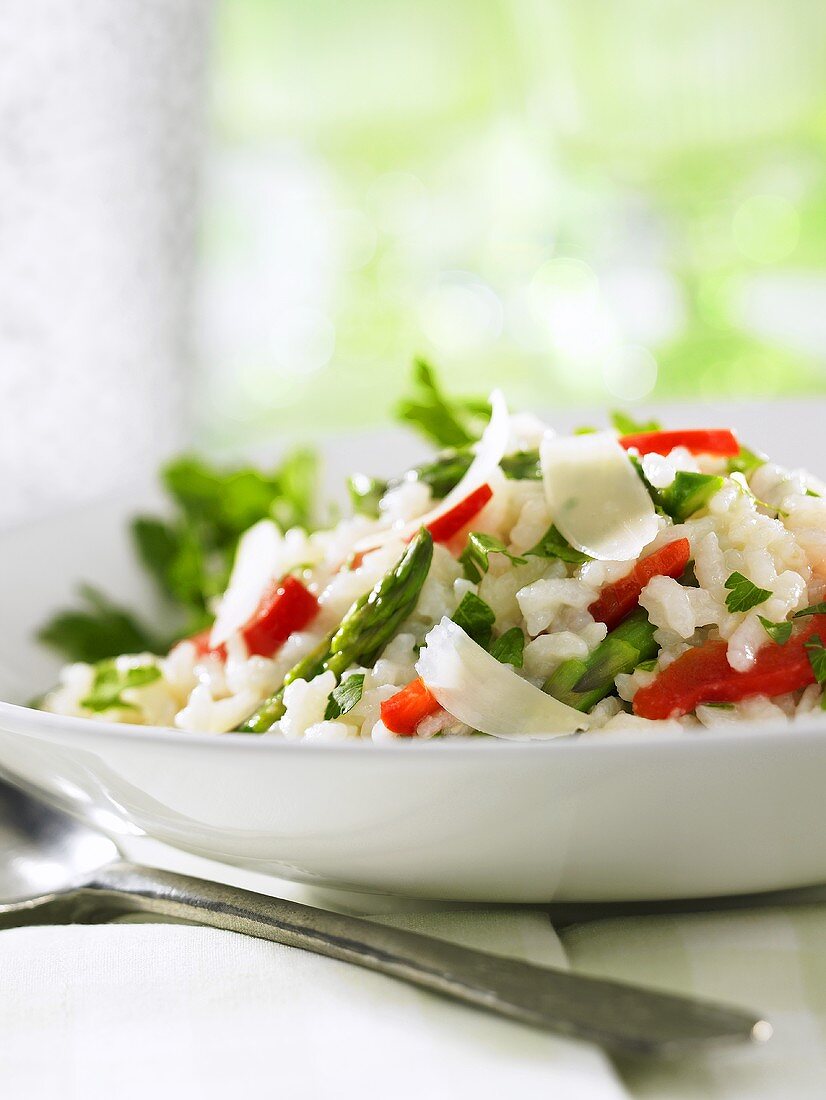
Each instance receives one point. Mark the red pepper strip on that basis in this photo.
(285, 607)
(203, 648)
(617, 600)
(402, 712)
(355, 560)
(445, 527)
(703, 675)
(700, 441)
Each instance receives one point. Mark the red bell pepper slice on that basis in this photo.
(618, 599)
(202, 646)
(703, 675)
(286, 606)
(402, 712)
(445, 527)
(460, 515)
(700, 441)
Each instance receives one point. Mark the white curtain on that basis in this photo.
(101, 125)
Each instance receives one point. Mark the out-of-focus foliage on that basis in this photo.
(188, 552)
(587, 201)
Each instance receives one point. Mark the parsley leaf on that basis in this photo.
(745, 462)
(509, 648)
(176, 559)
(344, 696)
(626, 425)
(778, 632)
(474, 557)
(110, 683)
(555, 545)
(815, 609)
(97, 630)
(522, 466)
(688, 493)
(476, 618)
(812, 493)
(743, 595)
(441, 475)
(222, 504)
(816, 653)
(448, 422)
(189, 554)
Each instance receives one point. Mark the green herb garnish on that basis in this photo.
(688, 493)
(743, 595)
(746, 462)
(189, 554)
(815, 609)
(522, 466)
(555, 545)
(110, 683)
(816, 653)
(509, 648)
(476, 618)
(344, 696)
(441, 475)
(447, 422)
(626, 425)
(778, 632)
(97, 630)
(474, 557)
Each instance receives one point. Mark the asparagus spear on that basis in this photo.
(581, 684)
(364, 631)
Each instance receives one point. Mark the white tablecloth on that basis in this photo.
(136, 1009)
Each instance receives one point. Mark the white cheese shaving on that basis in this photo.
(489, 453)
(595, 496)
(488, 695)
(252, 573)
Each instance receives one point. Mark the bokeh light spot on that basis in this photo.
(630, 372)
(461, 314)
(766, 228)
(398, 201)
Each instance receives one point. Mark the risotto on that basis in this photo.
(528, 586)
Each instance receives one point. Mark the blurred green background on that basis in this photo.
(583, 202)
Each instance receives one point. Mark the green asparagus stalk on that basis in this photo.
(364, 631)
(582, 683)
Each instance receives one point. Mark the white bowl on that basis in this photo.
(617, 816)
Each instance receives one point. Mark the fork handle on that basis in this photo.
(616, 1016)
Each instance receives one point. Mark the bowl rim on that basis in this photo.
(809, 728)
